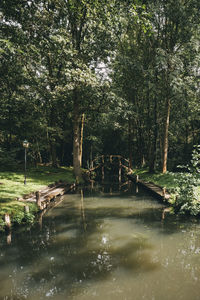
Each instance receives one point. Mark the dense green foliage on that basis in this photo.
(81, 78)
(188, 198)
(132, 69)
(184, 187)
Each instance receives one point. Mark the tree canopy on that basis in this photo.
(81, 78)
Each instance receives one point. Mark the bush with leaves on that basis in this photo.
(29, 218)
(188, 198)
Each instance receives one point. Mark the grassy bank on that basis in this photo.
(183, 187)
(12, 187)
(167, 180)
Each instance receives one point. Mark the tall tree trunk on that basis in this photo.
(53, 154)
(141, 145)
(52, 116)
(130, 142)
(76, 139)
(153, 150)
(39, 154)
(52, 139)
(165, 139)
(81, 138)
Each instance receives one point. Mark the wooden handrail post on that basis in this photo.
(38, 200)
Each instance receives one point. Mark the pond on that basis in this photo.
(103, 243)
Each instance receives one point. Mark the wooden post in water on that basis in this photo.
(102, 169)
(120, 170)
(111, 190)
(92, 184)
(7, 221)
(164, 192)
(26, 209)
(129, 184)
(8, 228)
(137, 179)
(38, 200)
(9, 238)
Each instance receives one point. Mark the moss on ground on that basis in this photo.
(12, 187)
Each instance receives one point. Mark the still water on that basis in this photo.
(106, 244)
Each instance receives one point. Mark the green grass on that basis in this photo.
(167, 180)
(12, 186)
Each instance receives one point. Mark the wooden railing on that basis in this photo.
(100, 162)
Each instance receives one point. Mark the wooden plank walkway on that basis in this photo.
(153, 188)
(43, 197)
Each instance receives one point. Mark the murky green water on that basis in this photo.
(103, 245)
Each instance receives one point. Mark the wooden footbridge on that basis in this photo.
(102, 161)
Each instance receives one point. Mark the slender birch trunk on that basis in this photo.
(81, 138)
(165, 139)
(130, 142)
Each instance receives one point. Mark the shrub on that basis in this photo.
(188, 199)
(29, 218)
(18, 217)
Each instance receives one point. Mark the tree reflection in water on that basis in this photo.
(97, 245)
